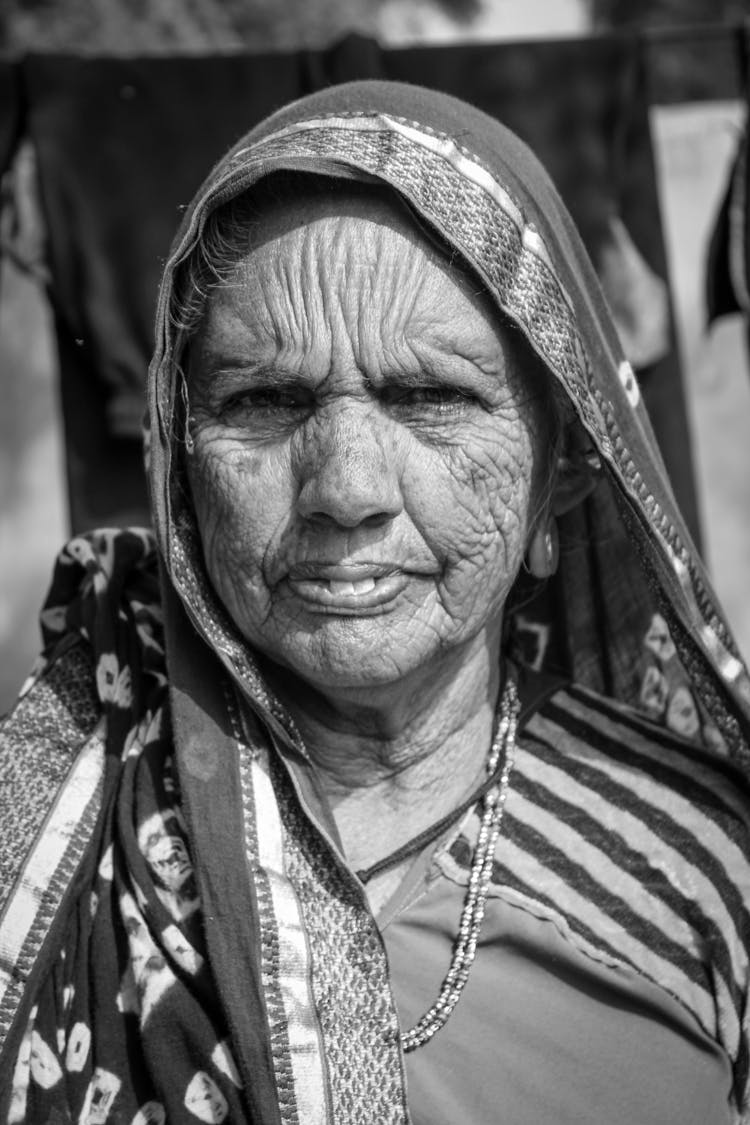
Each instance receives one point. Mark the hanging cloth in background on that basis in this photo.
(728, 266)
(10, 131)
(10, 113)
(728, 258)
(121, 146)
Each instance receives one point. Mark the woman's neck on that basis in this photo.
(393, 760)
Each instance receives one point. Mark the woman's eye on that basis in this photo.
(428, 399)
(269, 402)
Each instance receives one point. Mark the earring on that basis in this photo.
(189, 419)
(189, 443)
(543, 552)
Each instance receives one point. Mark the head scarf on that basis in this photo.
(283, 984)
(630, 574)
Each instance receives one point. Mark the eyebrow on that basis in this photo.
(419, 377)
(439, 370)
(225, 375)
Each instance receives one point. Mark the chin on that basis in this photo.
(352, 657)
(341, 659)
(357, 672)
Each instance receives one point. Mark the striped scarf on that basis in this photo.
(637, 845)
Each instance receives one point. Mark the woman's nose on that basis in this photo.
(349, 472)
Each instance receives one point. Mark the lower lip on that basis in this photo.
(319, 597)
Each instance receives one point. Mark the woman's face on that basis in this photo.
(364, 449)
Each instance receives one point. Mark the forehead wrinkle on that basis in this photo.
(295, 304)
(286, 301)
(227, 336)
(362, 287)
(331, 266)
(419, 297)
(383, 277)
(405, 300)
(346, 282)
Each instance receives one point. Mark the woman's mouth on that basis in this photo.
(363, 586)
(350, 591)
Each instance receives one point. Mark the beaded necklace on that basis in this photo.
(472, 914)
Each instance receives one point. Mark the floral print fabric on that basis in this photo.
(126, 1026)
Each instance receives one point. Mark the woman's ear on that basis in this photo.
(575, 479)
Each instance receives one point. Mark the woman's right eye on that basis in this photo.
(269, 402)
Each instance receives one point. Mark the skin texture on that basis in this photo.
(358, 414)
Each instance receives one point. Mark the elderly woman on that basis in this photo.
(352, 798)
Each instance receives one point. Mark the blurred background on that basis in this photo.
(682, 62)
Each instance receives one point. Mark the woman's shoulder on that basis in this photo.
(97, 575)
(101, 645)
(637, 841)
(40, 739)
(105, 593)
(100, 675)
(612, 744)
(52, 763)
(648, 814)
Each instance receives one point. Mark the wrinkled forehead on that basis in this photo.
(289, 203)
(302, 230)
(350, 236)
(285, 202)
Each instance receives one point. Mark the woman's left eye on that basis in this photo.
(428, 399)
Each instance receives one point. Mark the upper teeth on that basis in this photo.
(362, 587)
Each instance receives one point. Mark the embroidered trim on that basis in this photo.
(296, 1044)
(350, 981)
(35, 900)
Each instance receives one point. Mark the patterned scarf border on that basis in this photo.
(47, 874)
(296, 1043)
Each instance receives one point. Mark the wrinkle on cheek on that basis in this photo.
(225, 482)
(491, 481)
(494, 492)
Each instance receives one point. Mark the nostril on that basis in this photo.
(347, 514)
(377, 519)
(350, 499)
